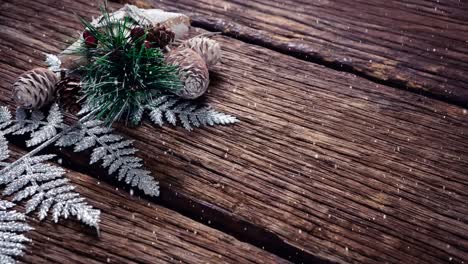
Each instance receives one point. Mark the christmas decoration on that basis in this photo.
(126, 67)
(207, 48)
(12, 225)
(122, 76)
(192, 72)
(35, 88)
(120, 68)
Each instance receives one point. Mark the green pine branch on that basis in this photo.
(122, 75)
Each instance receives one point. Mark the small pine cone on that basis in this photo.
(67, 93)
(207, 48)
(192, 71)
(35, 88)
(160, 36)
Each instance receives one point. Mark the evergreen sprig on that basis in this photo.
(123, 74)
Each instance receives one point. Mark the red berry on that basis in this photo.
(86, 34)
(90, 40)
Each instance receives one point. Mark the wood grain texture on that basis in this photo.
(419, 45)
(334, 165)
(132, 230)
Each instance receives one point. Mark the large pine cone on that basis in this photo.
(160, 36)
(35, 88)
(207, 48)
(192, 71)
(67, 93)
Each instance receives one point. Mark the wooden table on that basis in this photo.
(352, 145)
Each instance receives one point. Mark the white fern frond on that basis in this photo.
(5, 117)
(12, 225)
(5, 122)
(24, 125)
(30, 178)
(4, 151)
(48, 130)
(44, 187)
(114, 152)
(173, 108)
(71, 138)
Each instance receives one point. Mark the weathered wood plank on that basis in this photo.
(420, 45)
(133, 231)
(334, 165)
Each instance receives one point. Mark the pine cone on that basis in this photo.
(35, 88)
(67, 93)
(207, 48)
(160, 36)
(192, 71)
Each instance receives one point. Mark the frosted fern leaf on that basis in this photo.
(12, 225)
(114, 152)
(48, 130)
(31, 178)
(24, 125)
(173, 108)
(46, 190)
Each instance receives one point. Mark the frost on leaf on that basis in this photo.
(115, 154)
(31, 179)
(49, 129)
(12, 225)
(172, 108)
(45, 190)
(113, 151)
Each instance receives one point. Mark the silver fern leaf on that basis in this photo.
(24, 125)
(12, 225)
(30, 177)
(49, 129)
(115, 154)
(46, 189)
(172, 108)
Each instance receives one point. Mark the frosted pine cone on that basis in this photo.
(192, 71)
(35, 88)
(207, 48)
